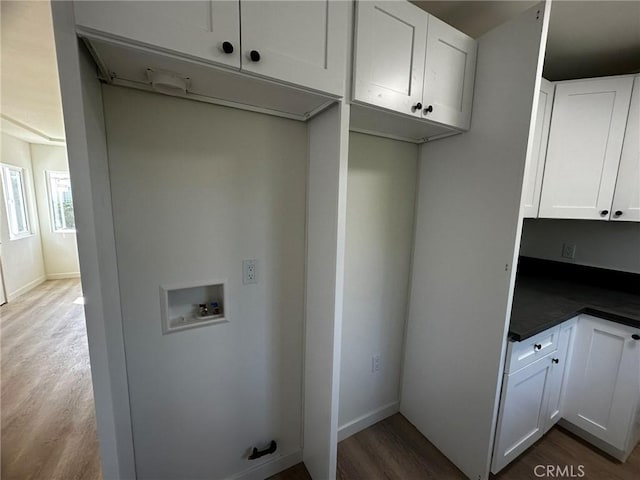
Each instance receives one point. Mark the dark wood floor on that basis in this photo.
(48, 416)
(394, 450)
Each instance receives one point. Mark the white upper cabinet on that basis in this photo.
(389, 55)
(532, 391)
(299, 42)
(626, 200)
(534, 168)
(585, 143)
(412, 63)
(450, 69)
(604, 380)
(197, 29)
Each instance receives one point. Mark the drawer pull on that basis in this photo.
(555, 360)
(537, 346)
(635, 336)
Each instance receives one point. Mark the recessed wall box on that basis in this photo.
(181, 305)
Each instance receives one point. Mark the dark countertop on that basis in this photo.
(548, 293)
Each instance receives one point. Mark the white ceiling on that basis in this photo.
(30, 105)
(586, 38)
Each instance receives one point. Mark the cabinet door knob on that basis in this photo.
(429, 109)
(604, 212)
(537, 346)
(555, 360)
(254, 55)
(227, 47)
(417, 106)
(635, 336)
(617, 213)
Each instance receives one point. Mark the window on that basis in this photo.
(60, 201)
(15, 200)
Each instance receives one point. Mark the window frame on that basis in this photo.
(9, 203)
(49, 175)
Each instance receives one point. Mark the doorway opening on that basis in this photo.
(48, 413)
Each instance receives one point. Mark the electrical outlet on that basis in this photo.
(249, 271)
(376, 363)
(568, 251)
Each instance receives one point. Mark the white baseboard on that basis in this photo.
(62, 276)
(269, 468)
(25, 288)
(368, 419)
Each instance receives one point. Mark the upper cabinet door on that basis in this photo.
(626, 200)
(197, 29)
(450, 69)
(299, 42)
(535, 164)
(389, 55)
(585, 142)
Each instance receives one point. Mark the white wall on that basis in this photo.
(380, 215)
(60, 249)
(613, 245)
(22, 263)
(197, 188)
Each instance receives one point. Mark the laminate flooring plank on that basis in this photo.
(48, 415)
(393, 449)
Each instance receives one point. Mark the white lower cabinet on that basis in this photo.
(603, 390)
(531, 401)
(522, 411)
(590, 381)
(560, 361)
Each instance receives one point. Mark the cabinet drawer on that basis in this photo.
(521, 354)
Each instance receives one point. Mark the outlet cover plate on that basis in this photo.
(568, 251)
(376, 363)
(249, 271)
